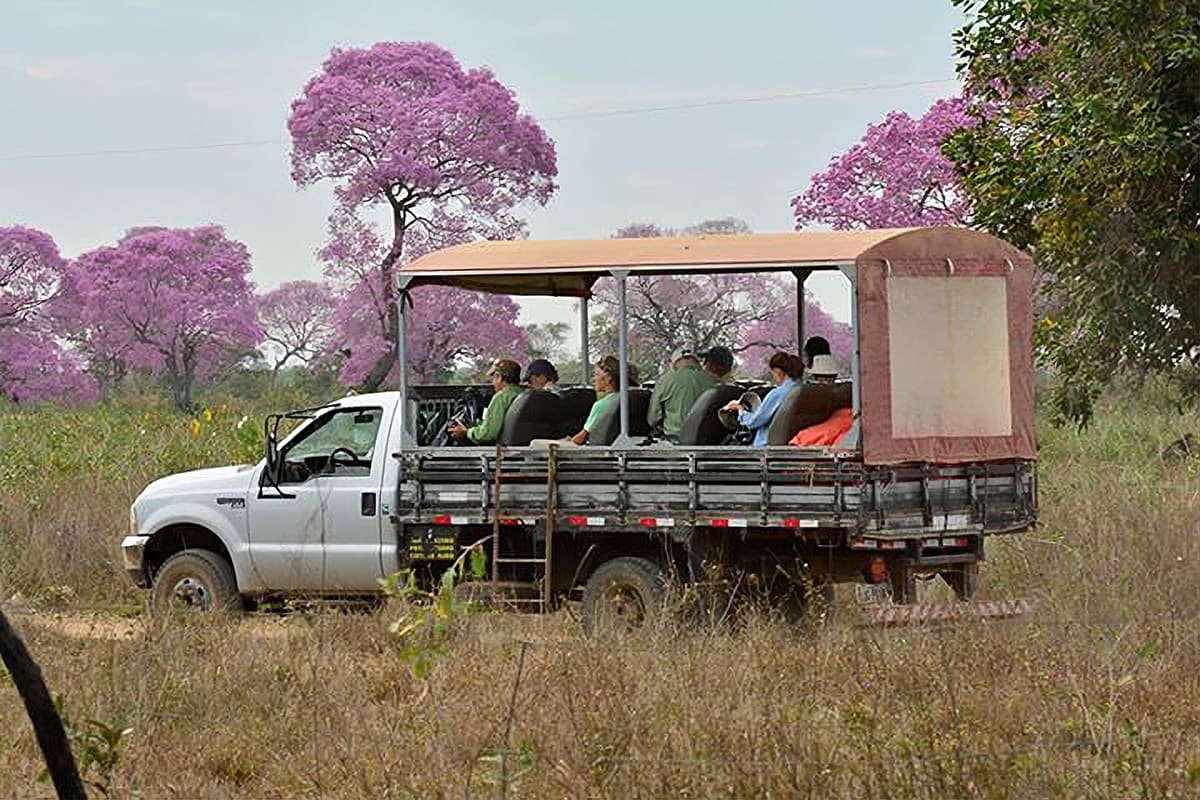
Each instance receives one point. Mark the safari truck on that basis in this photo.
(940, 455)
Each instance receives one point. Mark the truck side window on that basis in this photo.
(341, 443)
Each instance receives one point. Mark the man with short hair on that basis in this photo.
(506, 376)
(675, 392)
(718, 362)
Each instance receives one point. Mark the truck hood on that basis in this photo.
(233, 479)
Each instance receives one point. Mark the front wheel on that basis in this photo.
(195, 579)
(623, 594)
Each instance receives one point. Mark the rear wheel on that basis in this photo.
(623, 594)
(198, 580)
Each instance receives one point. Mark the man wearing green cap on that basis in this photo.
(506, 378)
(675, 392)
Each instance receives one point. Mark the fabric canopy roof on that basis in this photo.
(549, 267)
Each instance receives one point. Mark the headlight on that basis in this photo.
(133, 526)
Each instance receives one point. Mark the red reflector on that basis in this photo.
(791, 523)
(648, 522)
(510, 522)
(719, 523)
(577, 520)
(442, 519)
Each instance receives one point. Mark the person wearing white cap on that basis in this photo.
(675, 392)
(822, 369)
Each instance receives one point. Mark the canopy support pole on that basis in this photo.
(584, 355)
(408, 436)
(801, 277)
(621, 276)
(852, 439)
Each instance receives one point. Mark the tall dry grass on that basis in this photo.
(1097, 695)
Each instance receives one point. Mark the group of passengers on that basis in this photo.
(674, 394)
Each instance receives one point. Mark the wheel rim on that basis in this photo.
(191, 593)
(620, 607)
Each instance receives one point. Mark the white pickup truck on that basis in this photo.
(322, 526)
(940, 454)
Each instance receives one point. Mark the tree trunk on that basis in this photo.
(387, 272)
(47, 726)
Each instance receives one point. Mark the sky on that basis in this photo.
(80, 79)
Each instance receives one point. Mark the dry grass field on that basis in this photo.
(1095, 695)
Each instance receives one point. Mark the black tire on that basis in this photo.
(622, 595)
(199, 580)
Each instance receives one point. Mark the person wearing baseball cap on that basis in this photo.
(675, 392)
(505, 375)
(541, 376)
(718, 362)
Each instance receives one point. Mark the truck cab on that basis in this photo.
(318, 523)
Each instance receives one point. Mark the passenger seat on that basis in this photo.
(702, 426)
(576, 403)
(533, 415)
(807, 404)
(608, 427)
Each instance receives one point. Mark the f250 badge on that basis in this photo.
(232, 502)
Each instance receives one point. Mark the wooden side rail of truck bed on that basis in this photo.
(685, 487)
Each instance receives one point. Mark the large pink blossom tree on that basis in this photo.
(297, 320)
(33, 364)
(896, 176)
(177, 302)
(446, 152)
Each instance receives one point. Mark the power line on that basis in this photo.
(139, 150)
(624, 112)
(744, 100)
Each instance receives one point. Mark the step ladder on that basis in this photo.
(542, 599)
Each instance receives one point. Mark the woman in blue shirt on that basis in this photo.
(785, 374)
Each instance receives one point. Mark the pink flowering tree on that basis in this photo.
(778, 332)
(446, 152)
(33, 363)
(747, 313)
(445, 327)
(896, 176)
(177, 302)
(297, 321)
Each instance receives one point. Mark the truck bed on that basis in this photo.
(684, 487)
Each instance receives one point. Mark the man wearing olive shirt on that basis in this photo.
(675, 392)
(506, 378)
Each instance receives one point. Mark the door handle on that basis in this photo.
(368, 504)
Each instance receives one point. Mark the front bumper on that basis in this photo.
(133, 550)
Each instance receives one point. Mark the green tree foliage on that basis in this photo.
(1087, 151)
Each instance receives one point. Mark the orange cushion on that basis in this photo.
(827, 433)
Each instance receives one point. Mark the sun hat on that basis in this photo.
(750, 401)
(506, 368)
(823, 365)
